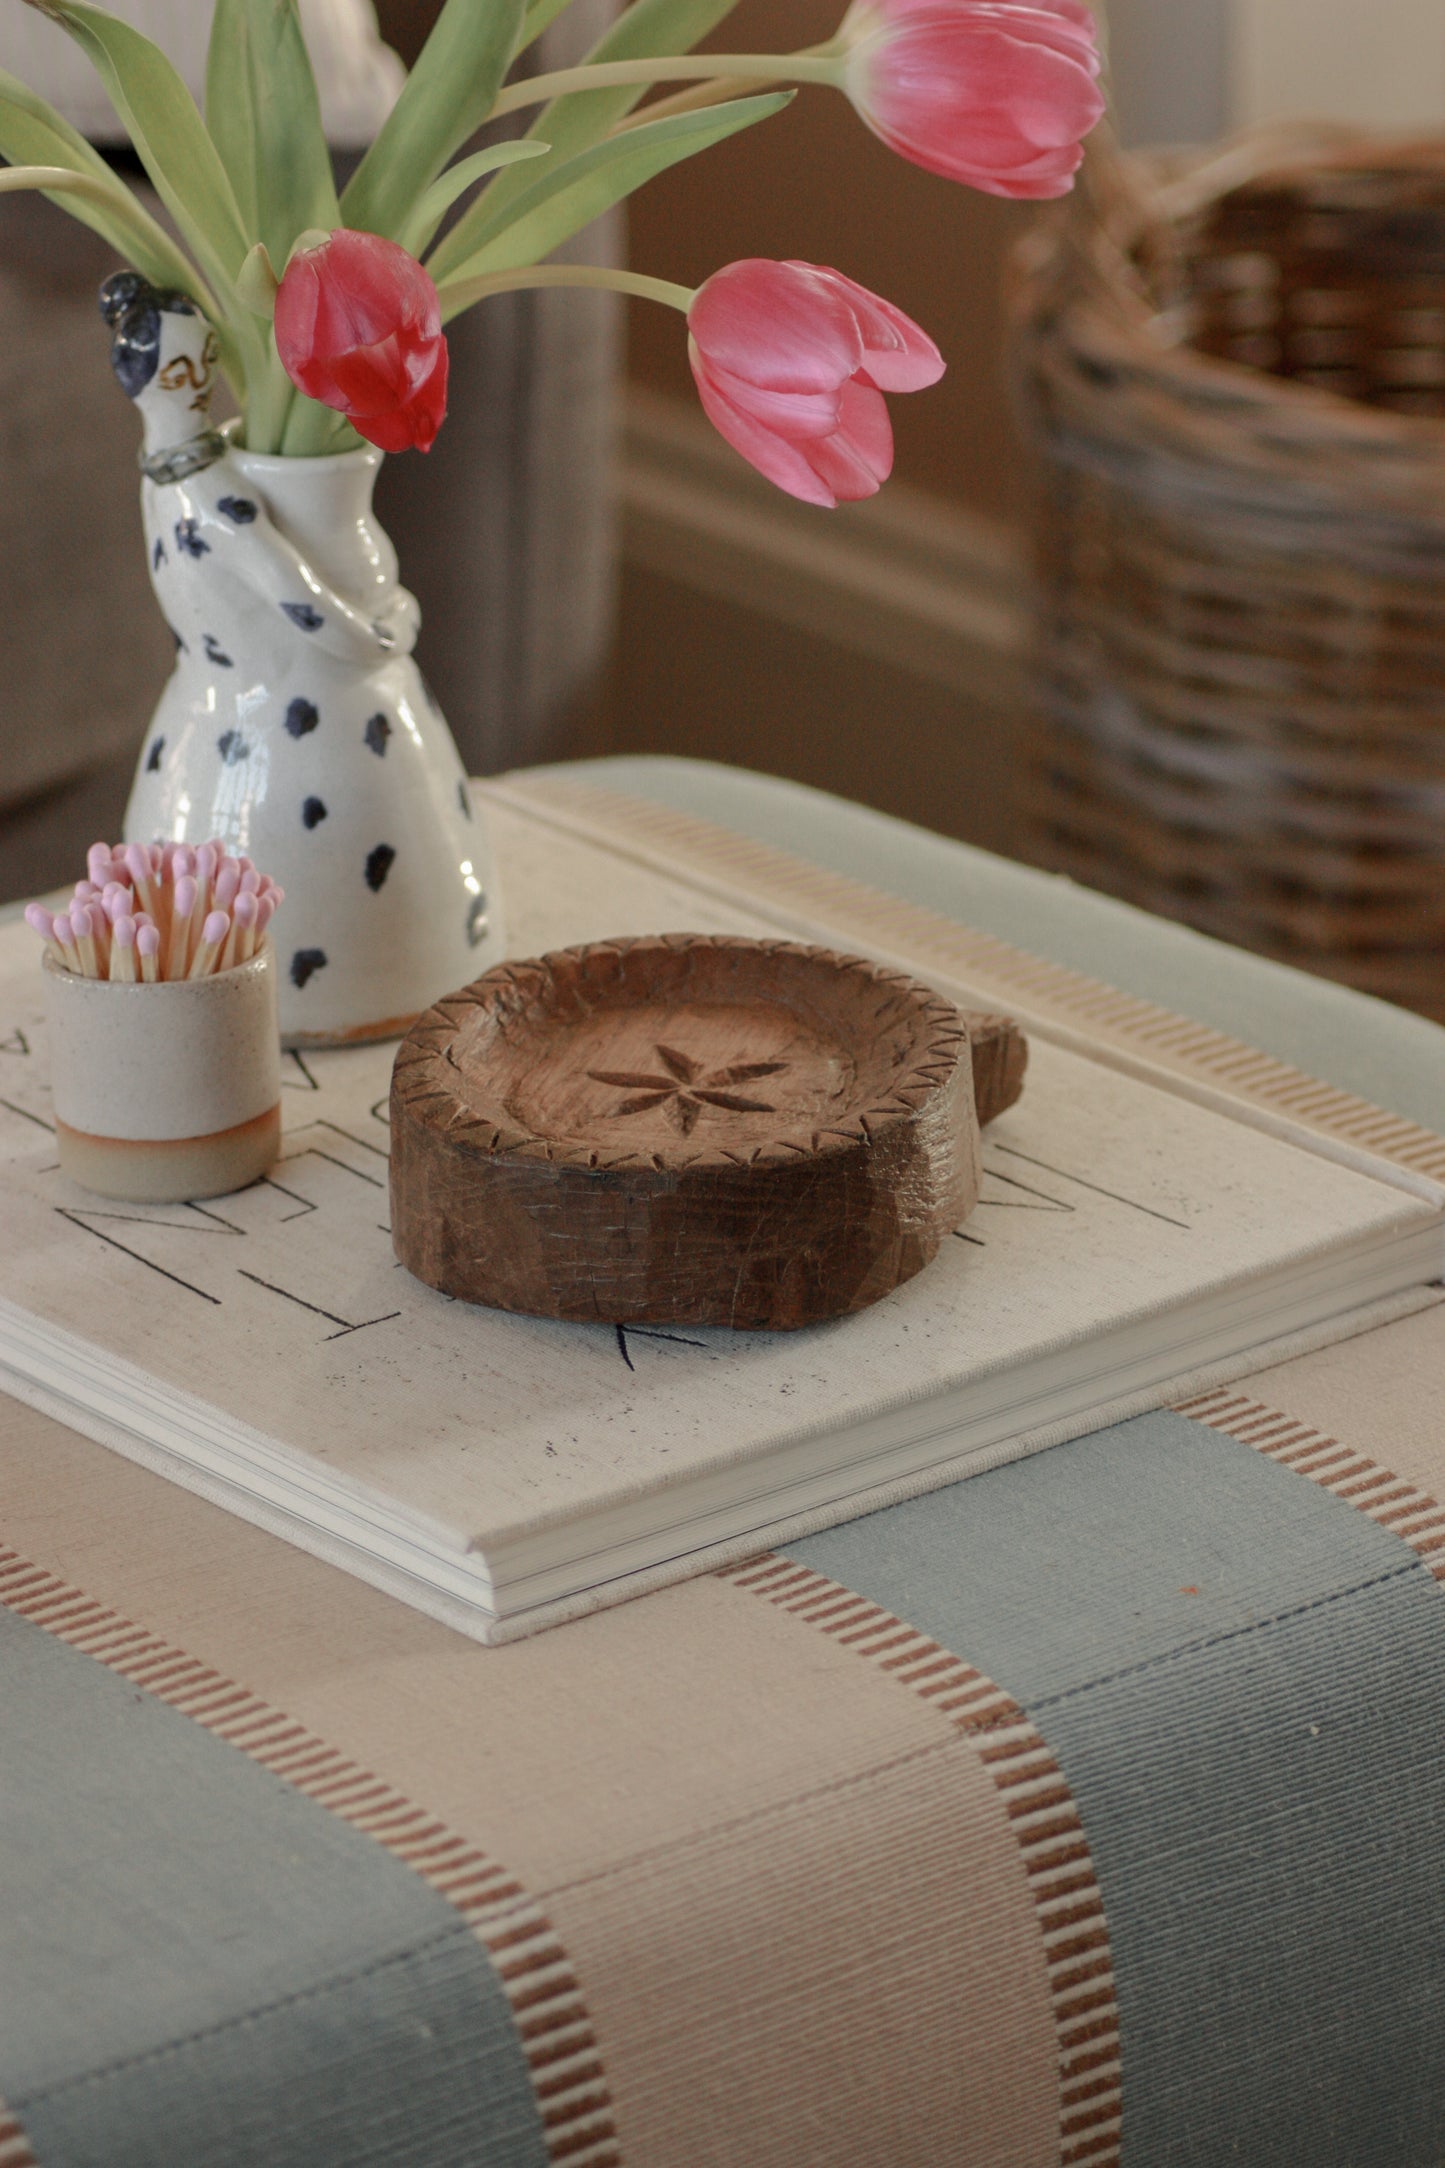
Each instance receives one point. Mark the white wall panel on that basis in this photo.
(1380, 63)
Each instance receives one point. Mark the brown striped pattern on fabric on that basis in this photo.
(875, 920)
(1041, 1813)
(1410, 1513)
(535, 1971)
(14, 2145)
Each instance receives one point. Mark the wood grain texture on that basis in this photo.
(688, 1129)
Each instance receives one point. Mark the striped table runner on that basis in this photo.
(1089, 1812)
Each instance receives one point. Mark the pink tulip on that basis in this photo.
(996, 94)
(359, 327)
(792, 361)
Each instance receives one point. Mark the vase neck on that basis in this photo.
(324, 507)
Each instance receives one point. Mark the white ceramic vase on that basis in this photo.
(296, 726)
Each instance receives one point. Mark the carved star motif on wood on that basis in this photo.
(684, 1090)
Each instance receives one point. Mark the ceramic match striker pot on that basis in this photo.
(170, 1091)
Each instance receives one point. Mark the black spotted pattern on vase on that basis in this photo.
(239, 745)
(305, 964)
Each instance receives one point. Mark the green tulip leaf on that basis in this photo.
(159, 115)
(455, 182)
(34, 134)
(574, 123)
(264, 118)
(444, 100)
(563, 200)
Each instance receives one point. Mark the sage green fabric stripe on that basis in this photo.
(1383, 1054)
(199, 1965)
(1242, 1679)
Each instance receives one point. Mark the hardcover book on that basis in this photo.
(1161, 1211)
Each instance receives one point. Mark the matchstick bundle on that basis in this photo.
(152, 912)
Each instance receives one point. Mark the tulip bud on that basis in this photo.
(993, 93)
(358, 327)
(792, 361)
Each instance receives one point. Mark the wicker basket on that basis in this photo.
(1236, 371)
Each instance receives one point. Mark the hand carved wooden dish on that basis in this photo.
(689, 1130)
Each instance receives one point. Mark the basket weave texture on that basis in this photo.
(1235, 369)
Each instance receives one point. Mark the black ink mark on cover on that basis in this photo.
(289, 1083)
(17, 1043)
(622, 1347)
(26, 1116)
(650, 1332)
(174, 1277)
(364, 1143)
(1012, 1204)
(1113, 1194)
(315, 1309)
(295, 1196)
(977, 1241)
(206, 1213)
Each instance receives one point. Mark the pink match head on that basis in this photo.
(184, 862)
(98, 857)
(118, 902)
(228, 880)
(82, 924)
(248, 909)
(86, 891)
(148, 940)
(126, 932)
(63, 931)
(250, 879)
(185, 894)
(216, 928)
(40, 921)
(208, 858)
(138, 862)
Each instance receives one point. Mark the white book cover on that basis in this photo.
(1134, 1234)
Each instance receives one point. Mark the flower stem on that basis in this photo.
(811, 67)
(459, 294)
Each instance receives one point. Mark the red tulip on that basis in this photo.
(792, 361)
(988, 92)
(359, 327)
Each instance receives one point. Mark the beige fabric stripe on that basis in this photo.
(1045, 1822)
(1380, 1393)
(872, 919)
(1415, 1516)
(534, 1968)
(762, 1859)
(14, 2145)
